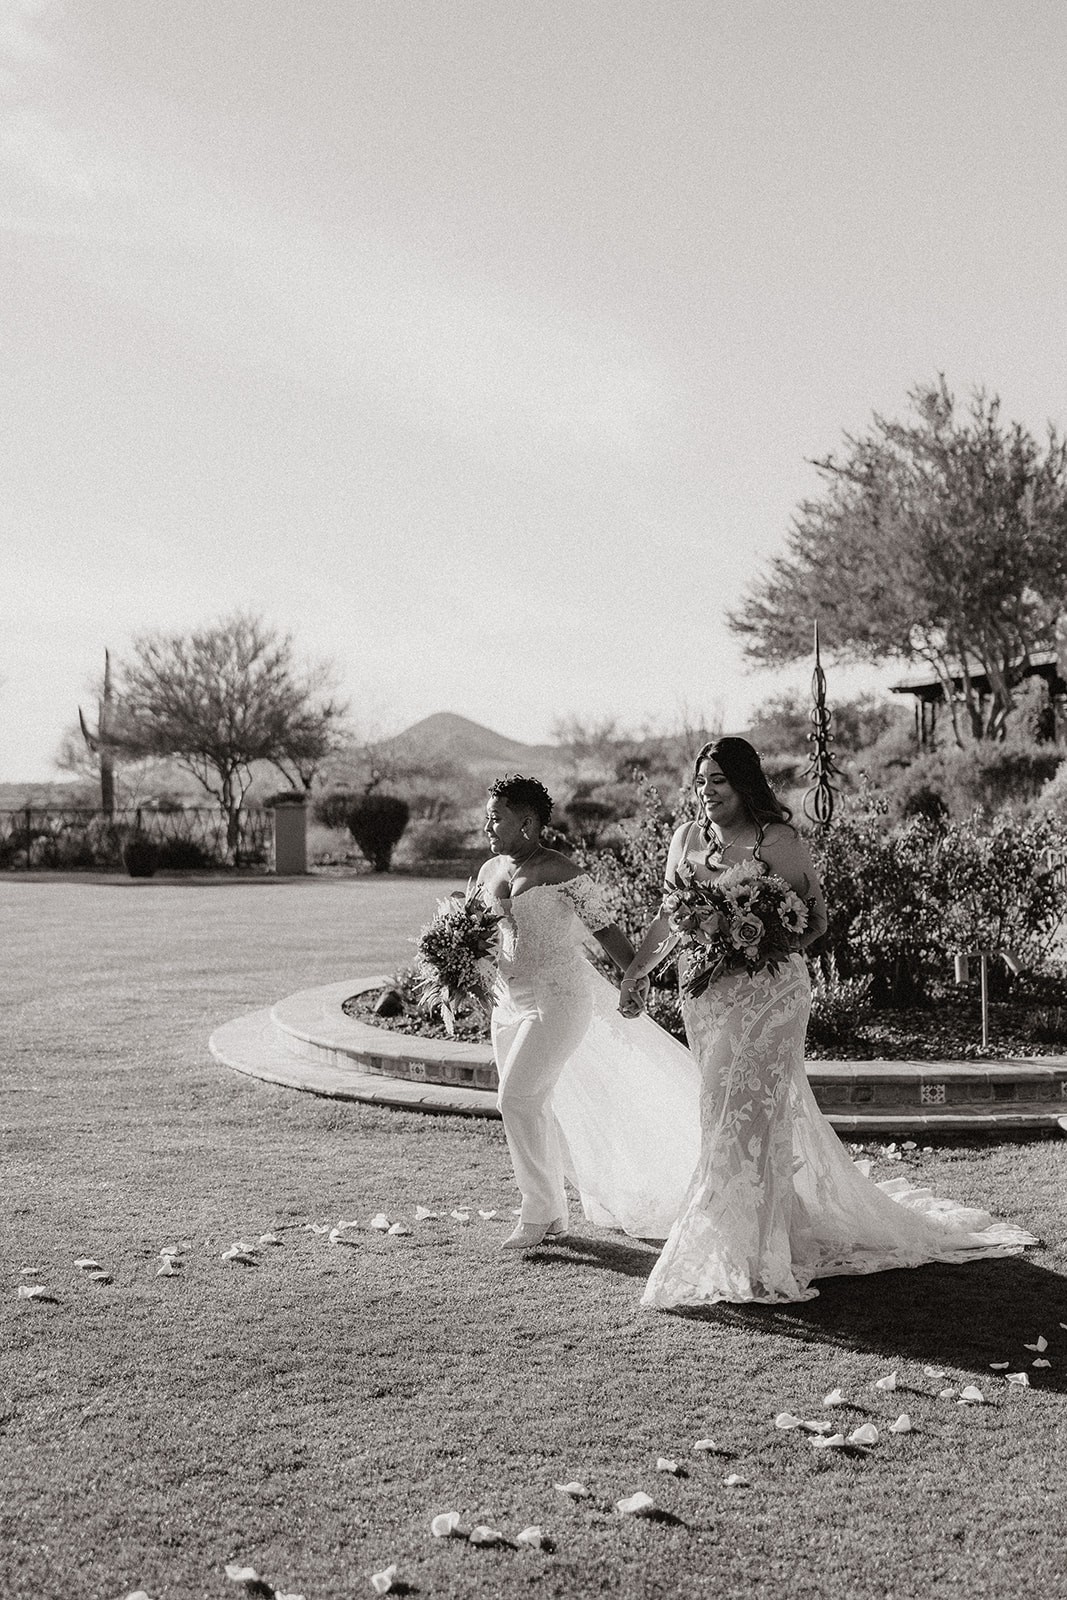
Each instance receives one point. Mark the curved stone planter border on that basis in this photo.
(307, 1042)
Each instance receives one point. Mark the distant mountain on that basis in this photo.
(448, 736)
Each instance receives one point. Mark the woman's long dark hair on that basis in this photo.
(740, 765)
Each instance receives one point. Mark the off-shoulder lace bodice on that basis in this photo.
(542, 934)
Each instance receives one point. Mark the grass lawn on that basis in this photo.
(307, 1415)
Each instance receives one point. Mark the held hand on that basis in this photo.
(633, 996)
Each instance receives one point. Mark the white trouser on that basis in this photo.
(532, 1046)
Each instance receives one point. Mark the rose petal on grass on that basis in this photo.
(167, 1270)
(448, 1525)
(138, 1594)
(399, 1229)
(786, 1420)
(828, 1441)
(946, 1394)
(902, 1424)
(1041, 1362)
(635, 1505)
(383, 1581)
(970, 1395)
(1040, 1346)
(169, 1250)
(272, 1238)
(485, 1215)
(708, 1446)
(665, 1464)
(424, 1214)
(238, 1574)
(999, 1366)
(461, 1216)
(485, 1536)
(87, 1264)
(100, 1276)
(577, 1491)
(934, 1372)
(31, 1291)
(239, 1253)
(315, 1227)
(909, 1144)
(1022, 1379)
(533, 1536)
(735, 1481)
(866, 1433)
(834, 1398)
(887, 1383)
(379, 1222)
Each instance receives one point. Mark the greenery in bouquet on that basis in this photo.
(747, 919)
(455, 959)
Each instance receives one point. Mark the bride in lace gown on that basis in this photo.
(775, 1201)
(609, 1104)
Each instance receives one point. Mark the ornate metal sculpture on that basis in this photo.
(822, 769)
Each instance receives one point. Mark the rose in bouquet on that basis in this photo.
(455, 956)
(744, 919)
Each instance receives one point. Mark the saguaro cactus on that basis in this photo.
(99, 743)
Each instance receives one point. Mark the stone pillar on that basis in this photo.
(290, 838)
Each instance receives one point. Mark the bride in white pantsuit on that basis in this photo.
(550, 1003)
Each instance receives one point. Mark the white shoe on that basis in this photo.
(528, 1235)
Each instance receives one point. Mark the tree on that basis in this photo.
(221, 698)
(941, 540)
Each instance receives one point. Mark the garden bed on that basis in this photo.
(949, 1029)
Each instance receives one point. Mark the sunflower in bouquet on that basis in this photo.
(745, 919)
(455, 957)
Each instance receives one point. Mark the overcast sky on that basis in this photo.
(483, 346)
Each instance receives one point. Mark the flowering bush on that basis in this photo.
(902, 901)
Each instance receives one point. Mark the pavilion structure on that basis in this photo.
(929, 695)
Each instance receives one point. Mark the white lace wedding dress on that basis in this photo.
(611, 1104)
(775, 1200)
(722, 1151)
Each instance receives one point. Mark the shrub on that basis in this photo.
(183, 855)
(439, 841)
(377, 822)
(630, 868)
(903, 900)
(588, 817)
(994, 777)
(839, 1006)
(284, 797)
(140, 856)
(331, 810)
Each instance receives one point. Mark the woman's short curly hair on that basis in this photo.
(518, 792)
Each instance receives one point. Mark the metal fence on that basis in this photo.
(78, 836)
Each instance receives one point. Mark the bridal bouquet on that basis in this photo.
(455, 956)
(747, 918)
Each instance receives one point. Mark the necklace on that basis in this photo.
(720, 847)
(518, 865)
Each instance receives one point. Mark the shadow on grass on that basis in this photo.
(957, 1315)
